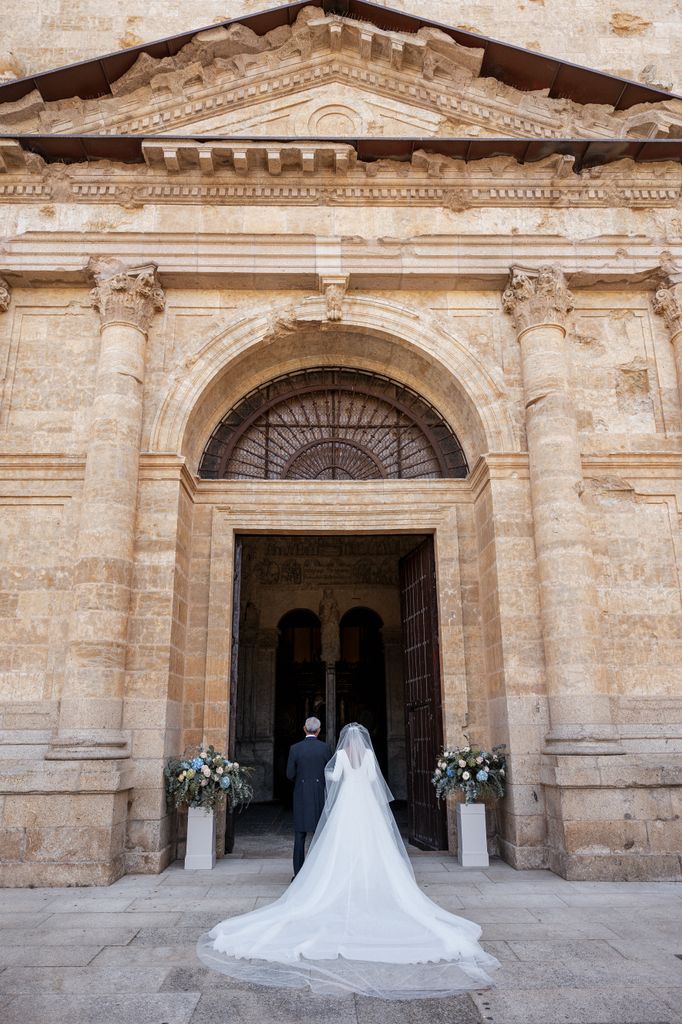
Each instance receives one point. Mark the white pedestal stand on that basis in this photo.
(472, 844)
(200, 852)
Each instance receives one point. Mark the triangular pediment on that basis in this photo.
(327, 75)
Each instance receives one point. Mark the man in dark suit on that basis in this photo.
(305, 768)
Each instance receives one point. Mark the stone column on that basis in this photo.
(92, 697)
(667, 302)
(579, 707)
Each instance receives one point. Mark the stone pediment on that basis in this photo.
(328, 75)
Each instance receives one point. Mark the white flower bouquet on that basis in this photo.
(204, 778)
(477, 772)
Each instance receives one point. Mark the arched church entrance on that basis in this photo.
(338, 625)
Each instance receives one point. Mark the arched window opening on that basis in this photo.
(332, 423)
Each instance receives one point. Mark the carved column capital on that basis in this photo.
(5, 295)
(128, 295)
(667, 301)
(533, 298)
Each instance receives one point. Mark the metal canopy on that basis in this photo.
(587, 153)
(524, 69)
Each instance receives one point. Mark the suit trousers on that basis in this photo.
(299, 850)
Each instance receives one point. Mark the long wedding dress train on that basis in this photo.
(354, 918)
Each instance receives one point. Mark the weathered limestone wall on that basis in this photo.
(626, 37)
(436, 323)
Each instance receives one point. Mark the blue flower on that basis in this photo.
(224, 782)
(482, 776)
(197, 763)
(450, 772)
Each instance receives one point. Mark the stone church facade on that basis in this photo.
(341, 373)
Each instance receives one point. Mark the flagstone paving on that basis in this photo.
(571, 952)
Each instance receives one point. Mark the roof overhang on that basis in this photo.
(524, 69)
(586, 153)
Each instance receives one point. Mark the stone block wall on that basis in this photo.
(629, 417)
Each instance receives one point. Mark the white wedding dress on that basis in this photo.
(354, 918)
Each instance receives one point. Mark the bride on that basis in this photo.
(354, 918)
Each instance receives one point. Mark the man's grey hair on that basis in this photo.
(312, 725)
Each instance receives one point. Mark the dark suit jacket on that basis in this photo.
(305, 768)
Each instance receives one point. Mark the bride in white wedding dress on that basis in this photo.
(354, 918)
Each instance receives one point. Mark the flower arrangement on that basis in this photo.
(204, 778)
(477, 772)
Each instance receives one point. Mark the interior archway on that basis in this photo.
(361, 677)
(299, 686)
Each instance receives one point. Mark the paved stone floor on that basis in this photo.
(571, 952)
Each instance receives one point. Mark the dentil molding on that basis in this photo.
(250, 173)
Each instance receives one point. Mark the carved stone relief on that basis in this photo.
(227, 70)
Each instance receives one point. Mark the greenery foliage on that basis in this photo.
(205, 778)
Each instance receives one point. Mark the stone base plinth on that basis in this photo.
(613, 818)
(63, 823)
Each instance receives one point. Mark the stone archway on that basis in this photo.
(413, 349)
(374, 334)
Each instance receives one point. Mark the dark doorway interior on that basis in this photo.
(361, 677)
(299, 687)
(344, 628)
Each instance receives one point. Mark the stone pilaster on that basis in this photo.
(580, 715)
(667, 302)
(91, 704)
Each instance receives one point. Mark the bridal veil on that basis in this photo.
(354, 918)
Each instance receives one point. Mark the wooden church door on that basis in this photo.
(423, 706)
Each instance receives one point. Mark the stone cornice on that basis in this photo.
(128, 295)
(640, 464)
(261, 261)
(5, 295)
(537, 297)
(244, 173)
(227, 70)
(47, 466)
(167, 466)
(497, 466)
